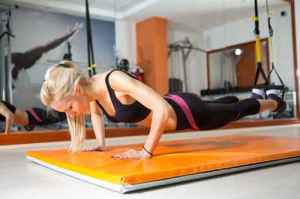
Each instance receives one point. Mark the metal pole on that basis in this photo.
(9, 96)
(2, 72)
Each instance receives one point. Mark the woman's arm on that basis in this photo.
(8, 115)
(150, 99)
(98, 125)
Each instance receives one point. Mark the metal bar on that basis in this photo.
(184, 47)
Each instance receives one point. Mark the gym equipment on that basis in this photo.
(175, 85)
(184, 47)
(173, 161)
(270, 40)
(259, 70)
(123, 65)
(68, 55)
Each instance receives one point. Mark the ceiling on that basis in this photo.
(201, 14)
(111, 5)
(99, 9)
(196, 14)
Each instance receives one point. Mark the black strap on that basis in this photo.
(105, 112)
(111, 92)
(271, 34)
(90, 49)
(8, 31)
(277, 74)
(256, 29)
(270, 27)
(259, 70)
(68, 55)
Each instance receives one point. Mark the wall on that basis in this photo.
(33, 28)
(196, 64)
(126, 40)
(225, 67)
(242, 31)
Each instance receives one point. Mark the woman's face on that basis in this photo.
(73, 105)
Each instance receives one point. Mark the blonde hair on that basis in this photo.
(59, 83)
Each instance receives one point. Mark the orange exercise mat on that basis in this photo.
(174, 161)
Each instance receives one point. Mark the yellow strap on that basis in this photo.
(270, 49)
(92, 66)
(258, 50)
(254, 18)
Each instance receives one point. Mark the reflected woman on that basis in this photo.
(28, 119)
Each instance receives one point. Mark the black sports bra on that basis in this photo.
(134, 112)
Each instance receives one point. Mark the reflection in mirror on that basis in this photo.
(37, 39)
(236, 67)
(231, 60)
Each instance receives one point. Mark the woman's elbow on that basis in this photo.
(162, 113)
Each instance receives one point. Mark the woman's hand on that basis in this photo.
(132, 154)
(94, 149)
(9, 121)
(8, 115)
(75, 29)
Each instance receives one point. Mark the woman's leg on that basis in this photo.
(215, 115)
(224, 100)
(267, 105)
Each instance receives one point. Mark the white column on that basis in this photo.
(126, 40)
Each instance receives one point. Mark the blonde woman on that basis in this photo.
(122, 98)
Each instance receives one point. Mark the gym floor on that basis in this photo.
(21, 178)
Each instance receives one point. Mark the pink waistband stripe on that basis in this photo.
(33, 113)
(185, 108)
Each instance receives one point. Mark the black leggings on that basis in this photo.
(213, 114)
(44, 117)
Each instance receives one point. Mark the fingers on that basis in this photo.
(76, 28)
(8, 123)
(98, 148)
(130, 154)
(79, 25)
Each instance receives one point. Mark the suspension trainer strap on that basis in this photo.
(90, 49)
(259, 69)
(270, 39)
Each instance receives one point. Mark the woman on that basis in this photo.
(124, 99)
(28, 119)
